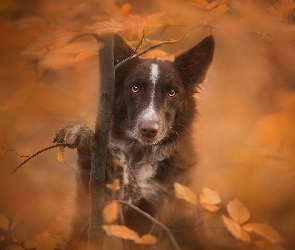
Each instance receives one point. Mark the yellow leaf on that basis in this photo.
(122, 232)
(215, 4)
(238, 211)
(146, 239)
(115, 185)
(210, 208)
(213, 14)
(4, 222)
(106, 27)
(265, 244)
(264, 230)
(61, 154)
(85, 55)
(209, 197)
(235, 229)
(185, 193)
(110, 211)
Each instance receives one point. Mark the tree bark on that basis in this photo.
(99, 151)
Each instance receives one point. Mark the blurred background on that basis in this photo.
(245, 132)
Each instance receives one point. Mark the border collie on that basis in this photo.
(151, 143)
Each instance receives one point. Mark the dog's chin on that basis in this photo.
(146, 141)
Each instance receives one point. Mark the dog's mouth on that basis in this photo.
(149, 141)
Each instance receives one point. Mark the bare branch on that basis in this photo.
(35, 154)
(155, 221)
(170, 41)
(12, 150)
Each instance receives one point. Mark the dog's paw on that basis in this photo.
(75, 136)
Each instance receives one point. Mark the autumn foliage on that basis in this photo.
(244, 183)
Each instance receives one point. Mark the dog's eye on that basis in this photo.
(172, 92)
(134, 89)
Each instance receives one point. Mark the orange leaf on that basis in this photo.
(146, 239)
(265, 244)
(264, 230)
(85, 55)
(209, 197)
(213, 14)
(238, 211)
(4, 222)
(61, 154)
(122, 232)
(185, 193)
(115, 185)
(210, 208)
(235, 229)
(110, 211)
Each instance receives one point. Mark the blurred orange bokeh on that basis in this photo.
(245, 132)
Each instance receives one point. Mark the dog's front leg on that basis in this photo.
(82, 138)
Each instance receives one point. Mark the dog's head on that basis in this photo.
(154, 97)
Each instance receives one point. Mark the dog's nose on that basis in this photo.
(148, 129)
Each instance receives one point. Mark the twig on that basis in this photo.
(170, 41)
(140, 43)
(155, 221)
(35, 154)
(12, 150)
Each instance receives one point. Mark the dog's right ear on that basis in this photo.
(121, 49)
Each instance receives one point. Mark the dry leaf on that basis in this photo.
(209, 199)
(110, 211)
(115, 185)
(185, 193)
(61, 154)
(265, 244)
(4, 222)
(213, 14)
(238, 211)
(235, 229)
(146, 239)
(106, 27)
(264, 230)
(215, 4)
(210, 208)
(85, 55)
(122, 232)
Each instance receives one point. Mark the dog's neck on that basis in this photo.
(138, 152)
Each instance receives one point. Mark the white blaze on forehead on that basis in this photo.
(154, 73)
(150, 112)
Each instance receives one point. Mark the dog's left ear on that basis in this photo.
(121, 49)
(193, 64)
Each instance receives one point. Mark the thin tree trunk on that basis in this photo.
(99, 151)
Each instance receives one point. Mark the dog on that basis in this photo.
(150, 144)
